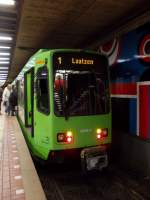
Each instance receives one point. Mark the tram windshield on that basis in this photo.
(80, 85)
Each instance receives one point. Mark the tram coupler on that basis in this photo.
(94, 158)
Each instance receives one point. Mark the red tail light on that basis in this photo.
(101, 133)
(69, 139)
(65, 137)
(98, 136)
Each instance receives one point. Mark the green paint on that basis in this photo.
(46, 127)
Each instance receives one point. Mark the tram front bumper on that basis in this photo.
(94, 158)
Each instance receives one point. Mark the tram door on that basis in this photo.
(29, 91)
(41, 106)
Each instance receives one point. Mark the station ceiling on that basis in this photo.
(36, 24)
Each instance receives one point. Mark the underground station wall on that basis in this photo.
(129, 61)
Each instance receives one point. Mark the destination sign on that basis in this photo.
(79, 60)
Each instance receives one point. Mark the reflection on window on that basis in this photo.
(42, 90)
(21, 93)
(80, 93)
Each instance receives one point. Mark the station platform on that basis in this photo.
(18, 177)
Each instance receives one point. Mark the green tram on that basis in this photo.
(64, 106)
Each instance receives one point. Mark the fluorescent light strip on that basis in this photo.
(4, 54)
(5, 38)
(4, 47)
(4, 62)
(4, 71)
(3, 67)
(7, 2)
(4, 58)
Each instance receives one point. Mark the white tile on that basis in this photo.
(14, 151)
(16, 166)
(16, 158)
(19, 191)
(17, 177)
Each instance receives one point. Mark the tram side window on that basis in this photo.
(42, 90)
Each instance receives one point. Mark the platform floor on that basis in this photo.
(18, 177)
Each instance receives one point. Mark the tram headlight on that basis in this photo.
(65, 137)
(101, 133)
(69, 134)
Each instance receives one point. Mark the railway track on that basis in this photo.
(68, 183)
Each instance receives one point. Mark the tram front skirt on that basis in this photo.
(94, 158)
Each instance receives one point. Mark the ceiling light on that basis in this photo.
(4, 47)
(4, 58)
(1, 71)
(7, 2)
(3, 67)
(2, 78)
(3, 74)
(4, 54)
(5, 38)
(4, 62)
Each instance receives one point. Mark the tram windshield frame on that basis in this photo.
(81, 84)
